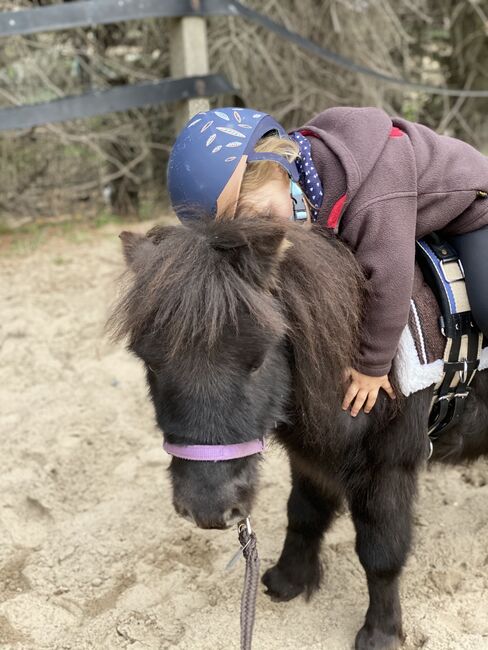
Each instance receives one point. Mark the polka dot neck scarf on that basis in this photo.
(309, 178)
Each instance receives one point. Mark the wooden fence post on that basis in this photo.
(189, 57)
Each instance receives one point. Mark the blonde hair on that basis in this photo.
(261, 171)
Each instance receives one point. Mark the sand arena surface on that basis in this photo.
(92, 554)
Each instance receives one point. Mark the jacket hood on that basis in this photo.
(357, 137)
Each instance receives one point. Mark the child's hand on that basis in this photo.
(363, 390)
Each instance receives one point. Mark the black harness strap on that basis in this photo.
(443, 270)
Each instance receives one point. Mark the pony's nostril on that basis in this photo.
(232, 515)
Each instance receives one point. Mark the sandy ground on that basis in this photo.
(91, 552)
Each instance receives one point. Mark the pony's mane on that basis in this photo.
(189, 286)
(193, 282)
(322, 291)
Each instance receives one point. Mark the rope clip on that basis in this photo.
(244, 524)
(243, 528)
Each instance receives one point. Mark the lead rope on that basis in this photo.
(248, 542)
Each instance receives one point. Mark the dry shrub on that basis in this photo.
(120, 158)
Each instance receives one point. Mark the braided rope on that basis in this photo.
(247, 539)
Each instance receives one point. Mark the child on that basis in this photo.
(378, 182)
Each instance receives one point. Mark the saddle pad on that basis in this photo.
(419, 361)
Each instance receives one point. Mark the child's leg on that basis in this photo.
(472, 249)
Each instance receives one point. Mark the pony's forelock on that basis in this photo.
(190, 289)
(292, 281)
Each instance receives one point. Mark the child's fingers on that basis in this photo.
(388, 388)
(371, 401)
(351, 393)
(358, 402)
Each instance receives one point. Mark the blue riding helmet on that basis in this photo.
(209, 158)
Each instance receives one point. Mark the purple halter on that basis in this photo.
(214, 452)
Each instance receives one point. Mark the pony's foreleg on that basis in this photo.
(310, 513)
(381, 508)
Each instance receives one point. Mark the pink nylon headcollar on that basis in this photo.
(214, 452)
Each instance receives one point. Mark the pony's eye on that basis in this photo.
(255, 364)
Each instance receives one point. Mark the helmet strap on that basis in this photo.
(227, 200)
(300, 213)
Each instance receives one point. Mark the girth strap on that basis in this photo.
(444, 271)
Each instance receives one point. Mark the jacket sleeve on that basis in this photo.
(382, 235)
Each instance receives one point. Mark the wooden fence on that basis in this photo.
(190, 84)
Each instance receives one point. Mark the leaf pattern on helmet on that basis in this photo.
(229, 131)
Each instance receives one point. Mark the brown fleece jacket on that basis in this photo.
(387, 182)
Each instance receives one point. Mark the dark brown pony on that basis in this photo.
(245, 329)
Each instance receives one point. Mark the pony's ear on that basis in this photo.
(254, 247)
(134, 246)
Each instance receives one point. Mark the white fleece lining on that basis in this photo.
(412, 375)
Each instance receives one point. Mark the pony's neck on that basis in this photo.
(321, 291)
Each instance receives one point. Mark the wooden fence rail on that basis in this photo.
(120, 98)
(87, 13)
(190, 84)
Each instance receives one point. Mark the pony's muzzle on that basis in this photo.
(233, 515)
(212, 520)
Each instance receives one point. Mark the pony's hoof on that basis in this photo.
(374, 639)
(279, 587)
(283, 585)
